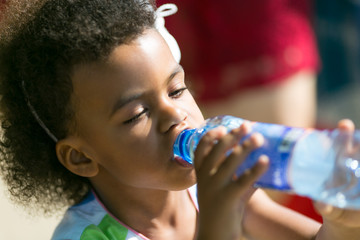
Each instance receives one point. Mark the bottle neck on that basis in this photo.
(182, 145)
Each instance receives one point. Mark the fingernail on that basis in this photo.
(258, 139)
(264, 158)
(213, 171)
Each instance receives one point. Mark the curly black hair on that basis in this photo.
(40, 44)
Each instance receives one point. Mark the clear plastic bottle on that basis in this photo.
(323, 165)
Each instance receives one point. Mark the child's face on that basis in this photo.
(129, 111)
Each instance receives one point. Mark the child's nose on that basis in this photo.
(170, 115)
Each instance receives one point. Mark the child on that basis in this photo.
(92, 101)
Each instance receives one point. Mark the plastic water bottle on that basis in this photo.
(323, 165)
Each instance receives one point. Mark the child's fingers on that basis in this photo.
(249, 177)
(219, 152)
(212, 158)
(238, 155)
(206, 144)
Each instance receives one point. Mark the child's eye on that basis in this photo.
(136, 117)
(177, 93)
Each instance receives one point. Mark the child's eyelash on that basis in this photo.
(174, 94)
(178, 92)
(136, 117)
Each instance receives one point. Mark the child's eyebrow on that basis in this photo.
(177, 69)
(125, 100)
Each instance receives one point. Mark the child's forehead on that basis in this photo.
(149, 43)
(146, 41)
(139, 58)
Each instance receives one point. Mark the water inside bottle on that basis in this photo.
(324, 169)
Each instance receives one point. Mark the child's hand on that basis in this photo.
(223, 196)
(340, 223)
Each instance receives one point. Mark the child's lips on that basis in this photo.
(182, 162)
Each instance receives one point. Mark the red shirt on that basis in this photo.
(244, 43)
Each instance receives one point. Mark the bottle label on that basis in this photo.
(279, 143)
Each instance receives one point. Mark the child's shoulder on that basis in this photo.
(90, 220)
(78, 217)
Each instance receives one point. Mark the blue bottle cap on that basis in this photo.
(181, 145)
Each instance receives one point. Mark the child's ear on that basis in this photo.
(71, 153)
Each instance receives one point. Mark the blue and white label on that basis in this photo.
(279, 143)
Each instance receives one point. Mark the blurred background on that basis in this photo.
(337, 28)
(16, 223)
(293, 62)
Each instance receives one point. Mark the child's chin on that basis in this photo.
(182, 162)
